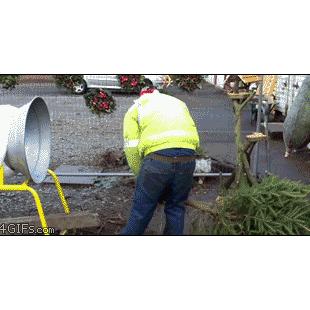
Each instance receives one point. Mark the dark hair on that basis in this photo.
(148, 83)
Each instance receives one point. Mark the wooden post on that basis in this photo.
(239, 143)
(258, 125)
(242, 175)
(215, 79)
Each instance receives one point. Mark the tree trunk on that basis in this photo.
(242, 175)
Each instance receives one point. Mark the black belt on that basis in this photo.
(169, 159)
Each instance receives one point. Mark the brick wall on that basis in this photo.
(36, 78)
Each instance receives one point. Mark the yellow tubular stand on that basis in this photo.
(24, 187)
(60, 192)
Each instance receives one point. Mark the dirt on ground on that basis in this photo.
(81, 138)
(110, 197)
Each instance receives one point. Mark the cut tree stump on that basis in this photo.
(58, 222)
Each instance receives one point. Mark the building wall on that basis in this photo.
(36, 78)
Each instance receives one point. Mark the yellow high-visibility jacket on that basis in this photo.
(156, 122)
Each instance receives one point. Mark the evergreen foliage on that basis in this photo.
(273, 207)
(9, 81)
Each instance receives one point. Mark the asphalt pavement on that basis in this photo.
(210, 108)
(212, 111)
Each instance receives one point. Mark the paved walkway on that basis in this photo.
(210, 107)
(212, 111)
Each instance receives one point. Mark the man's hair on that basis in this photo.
(148, 83)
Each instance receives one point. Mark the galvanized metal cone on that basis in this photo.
(28, 150)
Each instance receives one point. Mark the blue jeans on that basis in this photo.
(158, 181)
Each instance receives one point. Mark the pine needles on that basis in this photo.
(9, 81)
(273, 207)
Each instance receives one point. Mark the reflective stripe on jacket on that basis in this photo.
(156, 122)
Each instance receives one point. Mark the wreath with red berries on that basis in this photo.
(68, 80)
(188, 82)
(131, 82)
(100, 101)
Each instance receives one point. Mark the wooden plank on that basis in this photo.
(256, 136)
(238, 96)
(250, 78)
(61, 221)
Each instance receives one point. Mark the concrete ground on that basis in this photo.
(210, 107)
(80, 138)
(212, 111)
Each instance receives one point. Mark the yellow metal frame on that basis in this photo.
(25, 187)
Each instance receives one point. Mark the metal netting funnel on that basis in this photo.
(296, 132)
(28, 150)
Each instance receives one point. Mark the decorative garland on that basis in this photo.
(68, 80)
(131, 82)
(188, 82)
(9, 81)
(100, 101)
